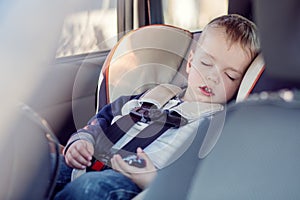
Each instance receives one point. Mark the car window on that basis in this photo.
(91, 29)
(193, 15)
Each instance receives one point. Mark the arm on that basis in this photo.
(80, 147)
(141, 176)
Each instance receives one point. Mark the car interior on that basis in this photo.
(248, 151)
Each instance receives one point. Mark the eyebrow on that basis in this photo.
(236, 71)
(208, 54)
(211, 56)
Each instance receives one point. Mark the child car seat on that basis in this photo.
(153, 55)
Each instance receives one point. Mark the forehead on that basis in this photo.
(214, 43)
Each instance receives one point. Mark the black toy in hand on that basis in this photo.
(133, 160)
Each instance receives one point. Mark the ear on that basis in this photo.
(189, 61)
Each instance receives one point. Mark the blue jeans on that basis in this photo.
(106, 184)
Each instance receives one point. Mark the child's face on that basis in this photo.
(216, 71)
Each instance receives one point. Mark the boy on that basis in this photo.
(225, 49)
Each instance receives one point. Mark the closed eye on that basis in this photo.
(231, 77)
(206, 64)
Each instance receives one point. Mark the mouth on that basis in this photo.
(206, 91)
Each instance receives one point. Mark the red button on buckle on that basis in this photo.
(97, 166)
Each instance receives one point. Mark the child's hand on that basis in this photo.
(141, 176)
(79, 154)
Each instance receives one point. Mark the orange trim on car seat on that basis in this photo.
(107, 84)
(255, 81)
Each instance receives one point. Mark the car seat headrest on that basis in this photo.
(250, 78)
(143, 58)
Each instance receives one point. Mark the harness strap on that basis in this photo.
(120, 127)
(152, 132)
(161, 121)
(160, 94)
(144, 113)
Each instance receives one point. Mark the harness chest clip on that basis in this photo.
(146, 114)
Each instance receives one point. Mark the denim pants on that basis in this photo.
(106, 184)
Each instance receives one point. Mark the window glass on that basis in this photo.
(193, 15)
(90, 29)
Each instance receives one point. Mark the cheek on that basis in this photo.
(195, 76)
(229, 94)
(231, 90)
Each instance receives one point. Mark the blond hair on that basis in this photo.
(238, 29)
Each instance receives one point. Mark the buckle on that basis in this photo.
(96, 165)
(146, 114)
(163, 116)
(100, 162)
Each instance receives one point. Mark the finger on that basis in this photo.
(139, 150)
(84, 149)
(115, 165)
(74, 154)
(149, 164)
(73, 162)
(90, 148)
(115, 161)
(126, 167)
(142, 154)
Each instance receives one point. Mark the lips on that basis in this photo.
(206, 91)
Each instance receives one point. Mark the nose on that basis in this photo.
(213, 78)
